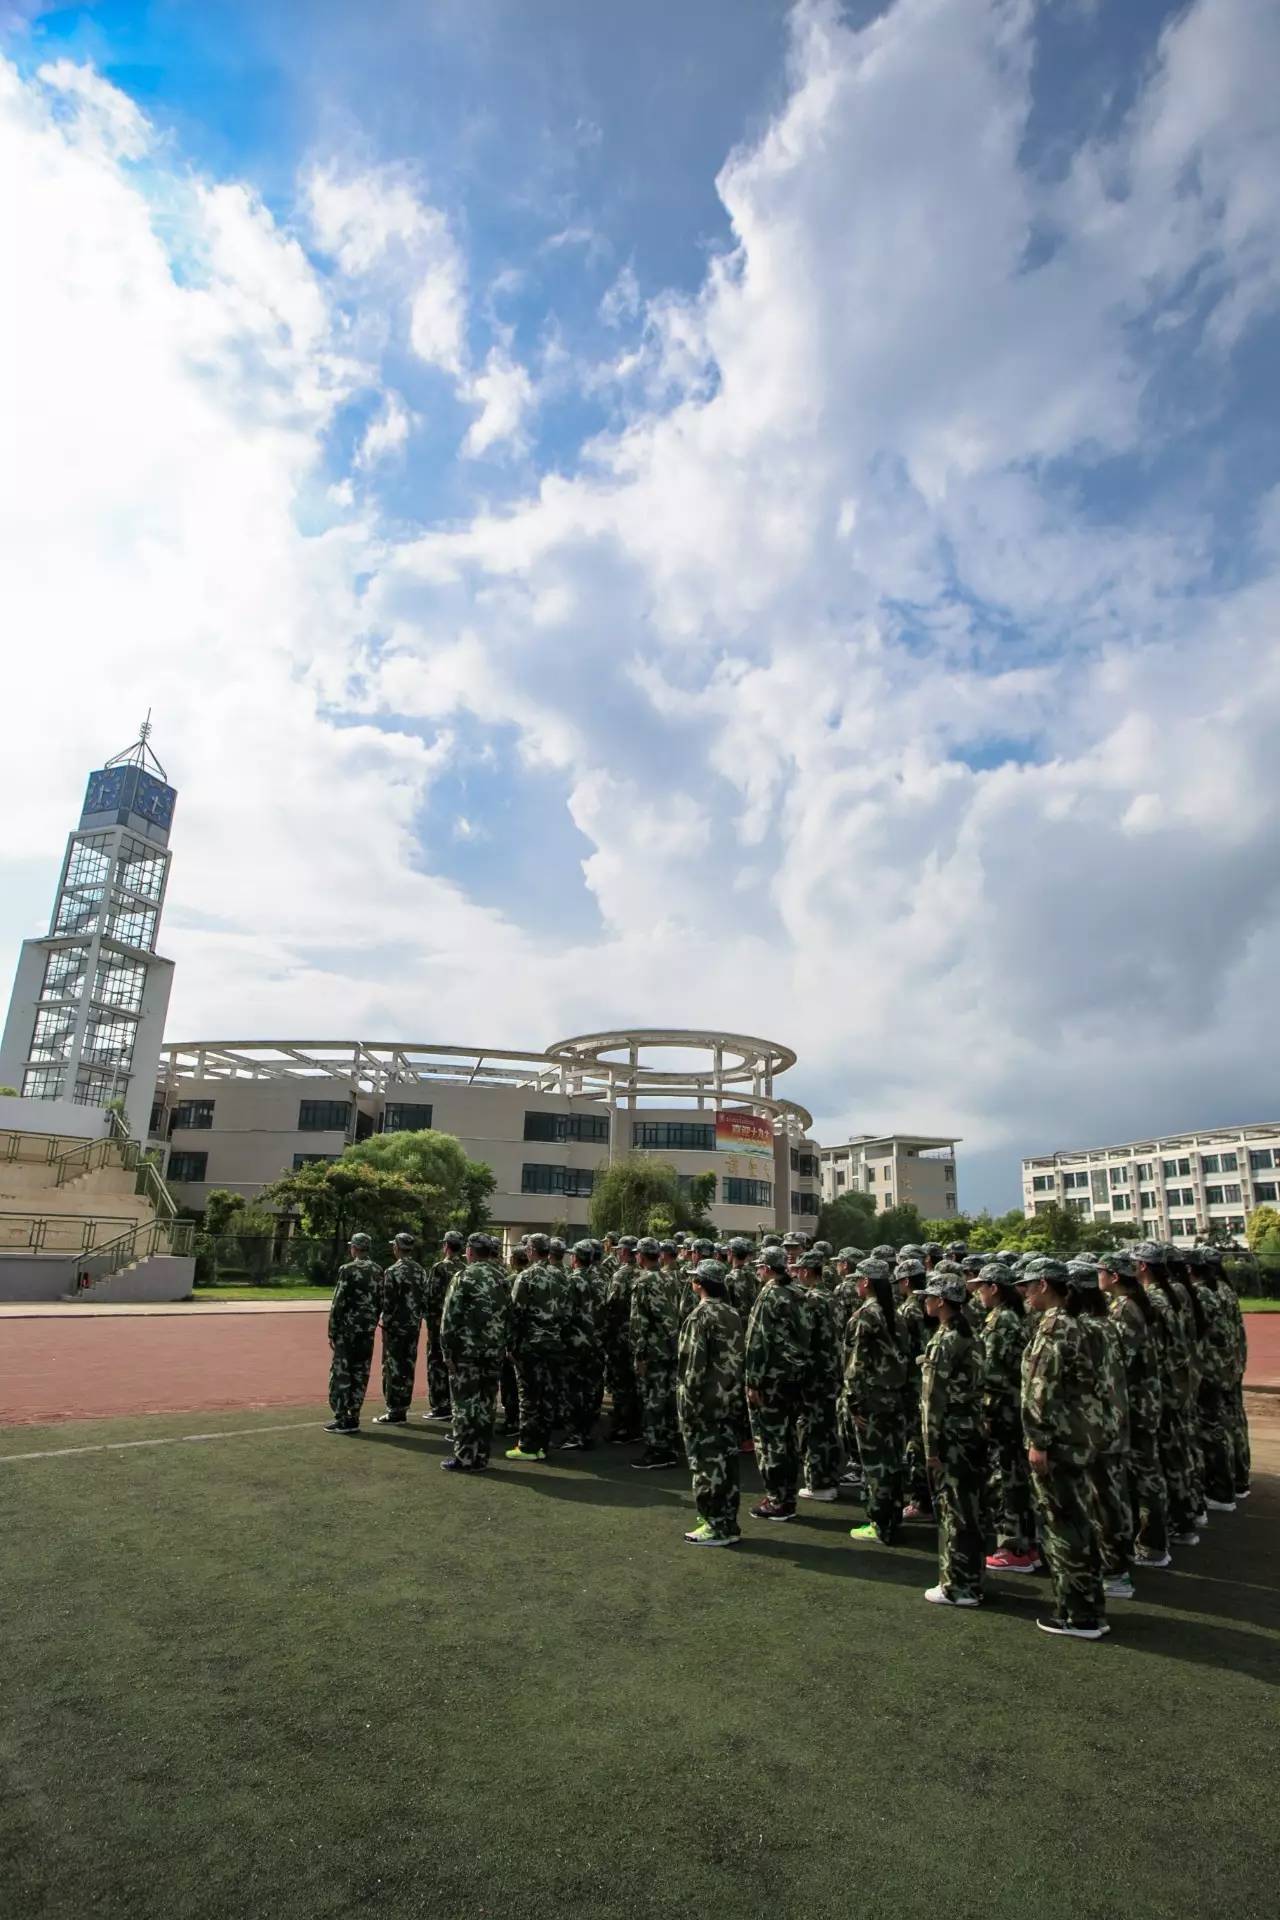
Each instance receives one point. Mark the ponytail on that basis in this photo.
(1011, 1298)
(1132, 1289)
(881, 1291)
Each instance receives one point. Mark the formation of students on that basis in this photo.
(1081, 1418)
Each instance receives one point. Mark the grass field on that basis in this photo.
(287, 1675)
(235, 1290)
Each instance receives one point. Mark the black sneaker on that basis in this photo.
(653, 1462)
(437, 1413)
(390, 1420)
(454, 1465)
(343, 1426)
(1074, 1629)
(572, 1445)
(772, 1510)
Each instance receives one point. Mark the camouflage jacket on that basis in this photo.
(654, 1322)
(1239, 1339)
(743, 1285)
(777, 1347)
(1218, 1343)
(473, 1324)
(825, 1361)
(538, 1310)
(1106, 1352)
(709, 1369)
(1171, 1351)
(357, 1298)
(1060, 1413)
(617, 1306)
(875, 1367)
(1004, 1337)
(951, 1393)
(1141, 1365)
(404, 1294)
(914, 1333)
(438, 1284)
(845, 1304)
(584, 1302)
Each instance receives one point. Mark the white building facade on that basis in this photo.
(237, 1114)
(1176, 1187)
(895, 1169)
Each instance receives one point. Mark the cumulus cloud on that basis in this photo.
(505, 395)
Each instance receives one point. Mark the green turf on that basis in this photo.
(288, 1675)
(1252, 1305)
(234, 1291)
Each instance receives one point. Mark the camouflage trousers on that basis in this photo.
(713, 1461)
(1111, 1506)
(881, 1443)
(399, 1363)
(657, 1391)
(510, 1389)
(1175, 1464)
(775, 1431)
(474, 1395)
(536, 1378)
(957, 1502)
(437, 1371)
(1150, 1501)
(624, 1400)
(1215, 1444)
(1238, 1434)
(349, 1371)
(1009, 1513)
(818, 1435)
(850, 1439)
(919, 1490)
(1195, 1453)
(582, 1391)
(1069, 1542)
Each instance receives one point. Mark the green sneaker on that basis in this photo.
(698, 1534)
(866, 1532)
(518, 1453)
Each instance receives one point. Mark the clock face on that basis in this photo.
(105, 791)
(154, 800)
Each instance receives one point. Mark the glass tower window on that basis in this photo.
(109, 1039)
(42, 1083)
(64, 974)
(51, 1039)
(120, 983)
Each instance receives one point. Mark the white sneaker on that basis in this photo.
(1120, 1588)
(940, 1598)
(817, 1493)
(1242, 1493)
(1141, 1559)
(1221, 1506)
(1202, 1518)
(1185, 1539)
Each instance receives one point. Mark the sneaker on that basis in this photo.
(914, 1512)
(1185, 1539)
(818, 1493)
(706, 1536)
(436, 1413)
(866, 1532)
(1007, 1561)
(1201, 1519)
(1220, 1506)
(941, 1598)
(654, 1462)
(1242, 1493)
(454, 1465)
(772, 1510)
(519, 1453)
(390, 1420)
(1074, 1630)
(1120, 1587)
(343, 1426)
(851, 1480)
(571, 1445)
(1144, 1557)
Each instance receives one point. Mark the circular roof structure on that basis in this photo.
(736, 1069)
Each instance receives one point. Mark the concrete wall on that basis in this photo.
(165, 1276)
(38, 1276)
(62, 1117)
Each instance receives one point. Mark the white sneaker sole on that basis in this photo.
(825, 1494)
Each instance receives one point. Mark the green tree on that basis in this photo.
(638, 1188)
(1262, 1230)
(848, 1221)
(336, 1198)
(255, 1233)
(899, 1226)
(454, 1191)
(220, 1208)
(9, 1090)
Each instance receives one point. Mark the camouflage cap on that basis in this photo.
(453, 1238)
(361, 1242)
(774, 1258)
(885, 1253)
(584, 1250)
(1044, 1267)
(1120, 1261)
(933, 1247)
(708, 1270)
(555, 1244)
(666, 1246)
(1082, 1273)
(973, 1263)
(792, 1240)
(823, 1247)
(481, 1242)
(538, 1243)
(740, 1246)
(1149, 1253)
(956, 1249)
(771, 1240)
(703, 1247)
(811, 1260)
(1194, 1257)
(648, 1246)
(1007, 1254)
(872, 1269)
(404, 1240)
(908, 1269)
(849, 1253)
(681, 1237)
(946, 1282)
(994, 1274)
(911, 1252)
(628, 1243)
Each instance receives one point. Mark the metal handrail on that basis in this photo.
(150, 1183)
(39, 1225)
(139, 1244)
(91, 1154)
(16, 1139)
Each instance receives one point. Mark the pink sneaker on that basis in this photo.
(1006, 1561)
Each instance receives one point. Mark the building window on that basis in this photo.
(1143, 1170)
(1213, 1196)
(1121, 1203)
(795, 1159)
(1119, 1176)
(90, 862)
(757, 1193)
(839, 1179)
(109, 1038)
(132, 926)
(577, 1182)
(1230, 1163)
(1043, 1206)
(323, 1116)
(677, 1136)
(1259, 1157)
(51, 1037)
(1070, 1180)
(96, 1087)
(141, 870)
(1176, 1169)
(401, 1116)
(591, 1127)
(192, 1114)
(1149, 1201)
(1182, 1196)
(302, 1159)
(1264, 1190)
(1042, 1183)
(1177, 1228)
(1210, 1163)
(1077, 1206)
(187, 1166)
(804, 1203)
(120, 983)
(1231, 1193)
(42, 1083)
(64, 977)
(808, 1166)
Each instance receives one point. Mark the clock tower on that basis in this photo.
(86, 1019)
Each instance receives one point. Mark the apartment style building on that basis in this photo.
(1173, 1188)
(896, 1169)
(237, 1114)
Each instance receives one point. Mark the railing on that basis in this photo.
(151, 1185)
(91, 1154)
(41, 1149)
(60, 1233)
(139, 1243)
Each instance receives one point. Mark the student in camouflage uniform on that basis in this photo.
(1004, 1336)
(1133, 1318)
(875, 1371)
(742, 1282)
(951, 1434)
(404, 1290)
(584, 1357)
(620, 1378)
(914, 1333)
(537, 1347)
(653, 1328)
(509, 1386)
(776, 1368)
(1174, 1360)
(449, 1263)
(1108, 1471)
(1217, 1361)
(819, 1432)
(473, 1336)
(844, 1304)
(1061, 1420)
(709, 1394)
(1236, 1421)
(353, 1321)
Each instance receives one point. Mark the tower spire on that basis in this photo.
(139, 754)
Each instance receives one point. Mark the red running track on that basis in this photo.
(210, 1362)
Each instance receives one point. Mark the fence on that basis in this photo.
(265, 1260)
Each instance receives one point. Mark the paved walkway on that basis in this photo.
(129, 1309)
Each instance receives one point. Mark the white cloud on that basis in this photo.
(387, 433)
(505, 395)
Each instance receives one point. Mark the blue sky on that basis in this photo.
(763, 514)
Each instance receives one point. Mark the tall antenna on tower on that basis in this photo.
(139, 754)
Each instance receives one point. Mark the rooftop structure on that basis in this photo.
(1174, 1186)
(896, 1169)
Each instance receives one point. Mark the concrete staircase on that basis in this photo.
(161, 1276)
